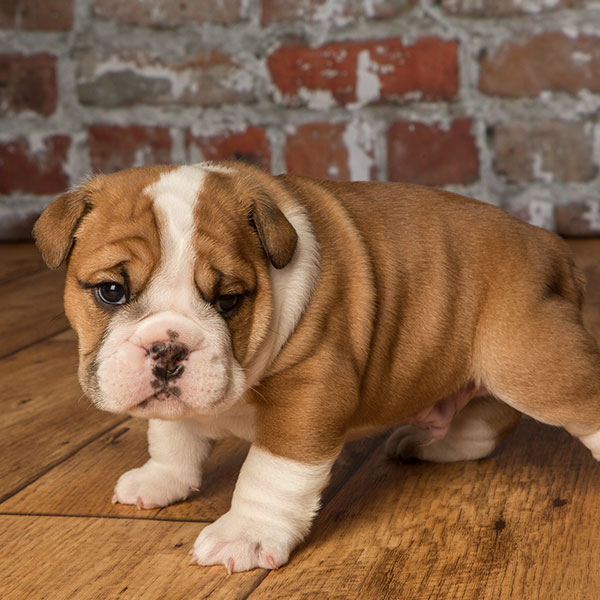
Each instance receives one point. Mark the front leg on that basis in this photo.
(177, 452)
(273, 505)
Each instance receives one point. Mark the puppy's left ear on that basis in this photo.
(277, 236)
(54, 231)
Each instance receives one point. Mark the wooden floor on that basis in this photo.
(524, 524)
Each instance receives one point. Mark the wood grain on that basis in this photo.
(32, 310)
(63, 491)
(44, 416)
(519, 525)
(67, 558)
(19, 259)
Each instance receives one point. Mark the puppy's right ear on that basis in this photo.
(54, 231)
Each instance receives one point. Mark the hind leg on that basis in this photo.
(474, 433)
(543, 363)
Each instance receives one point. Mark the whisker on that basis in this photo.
(253, 388)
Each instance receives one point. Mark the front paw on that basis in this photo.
(153, 486)
(242, 544)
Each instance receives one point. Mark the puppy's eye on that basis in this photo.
(228, 303)
(111, 293)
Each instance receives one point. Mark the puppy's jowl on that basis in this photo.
(217, 301)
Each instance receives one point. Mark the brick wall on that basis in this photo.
(498, 99)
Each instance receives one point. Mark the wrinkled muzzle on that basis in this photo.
(167, 366)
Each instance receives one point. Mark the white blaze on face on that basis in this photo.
(177, 325)
(175, 195)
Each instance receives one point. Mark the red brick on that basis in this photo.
(42, 15)
(28, 83)
(432, 155)
(429, 67)
(276, 11)
(391, 70)
(331, 67)
(206, 78)
(549, 61)
(167, 13)
(250, 145)
(34, 170)
(544, 151)
(115, 147)
(505, 8)
(318, 150)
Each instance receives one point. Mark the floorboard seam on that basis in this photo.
(55, 464)
(22, 276)
(31, 344)
(117, 517)
(257, 583)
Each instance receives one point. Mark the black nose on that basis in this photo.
(169, 358)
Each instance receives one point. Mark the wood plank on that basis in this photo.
(19, 259)
(587, 257)
(44, 415)
(83, 484)
(522, 524)
(32, 310)
(67, 558)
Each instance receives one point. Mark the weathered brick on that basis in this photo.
(506, 8)
(534, 205)
(580, 219)
(367, 71)
(34, 167)
(138, 76)
(431, 154)
(548, 61)
(166, 13)
(115, 147)
(545, 151)
(276, 11)
(318, 150)
(28, 82)
(123, 88)
(330, 68)
(250, 145)
(343, 151)
(428, 68)
(43, 15)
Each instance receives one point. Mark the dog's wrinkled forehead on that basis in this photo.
(136, 203)
(156, 223)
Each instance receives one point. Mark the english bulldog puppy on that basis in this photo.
(215, 300)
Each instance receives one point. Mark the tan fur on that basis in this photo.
(115, 226)
(421, 293)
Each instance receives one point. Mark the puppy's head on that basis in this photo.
(168, 283)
